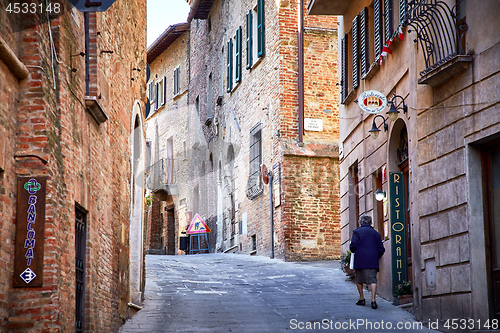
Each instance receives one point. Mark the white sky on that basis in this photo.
(164, 13)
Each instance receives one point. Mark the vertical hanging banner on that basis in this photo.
(398, 225)
(277, 185)
(30, 232)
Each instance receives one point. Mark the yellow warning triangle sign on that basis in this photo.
(197, 226)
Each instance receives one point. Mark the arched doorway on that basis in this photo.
(399, 162)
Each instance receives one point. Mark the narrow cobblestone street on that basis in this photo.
(240, 293)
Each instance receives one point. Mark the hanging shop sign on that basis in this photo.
(30, 232)
(398, 229)
(372, 101)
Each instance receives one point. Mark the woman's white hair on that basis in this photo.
(365, 219)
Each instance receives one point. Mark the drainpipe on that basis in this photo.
(301, 71)
(271, 175)
(87, 56)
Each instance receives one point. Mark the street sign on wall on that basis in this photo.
(30, 232)
(398, 225)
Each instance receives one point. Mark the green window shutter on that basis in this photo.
(249, 39)
(344, 72)
(378, 27)
(388, 21)
(228, 65)
(364, 51)
(238, 54)
(261, 49)
(355, 53)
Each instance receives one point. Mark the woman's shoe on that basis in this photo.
(374, 305)
(361, 302)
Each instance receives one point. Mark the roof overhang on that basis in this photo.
(200, 9)
(165, 40)
(328, 7)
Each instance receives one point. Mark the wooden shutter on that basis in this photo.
(156, 97)
(388, 20)
(230, 65)
(345, 63)
(164, 90)
(249, 39)
(377, 21)
(238, 54)
(261, 50)
(402, 11)
(364, 41)
(176, 81)
(355, 53)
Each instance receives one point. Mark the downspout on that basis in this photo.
(301, 71)
(87, 56)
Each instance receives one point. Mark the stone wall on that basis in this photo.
(88, 163)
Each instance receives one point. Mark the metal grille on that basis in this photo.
(80, 249)
(161, 173)
(437, 28)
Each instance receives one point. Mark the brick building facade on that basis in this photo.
(84, 141)
(443, 144)
(243, 111)
(168, 170)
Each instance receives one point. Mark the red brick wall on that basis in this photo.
(88, 164)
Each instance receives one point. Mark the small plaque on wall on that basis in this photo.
(311, 124)
(30, 232)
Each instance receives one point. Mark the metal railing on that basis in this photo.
(160, 174)
(439, 30)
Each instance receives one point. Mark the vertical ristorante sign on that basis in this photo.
(398, 225)
(30, 232)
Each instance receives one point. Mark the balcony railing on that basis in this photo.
(161, 175)
(439, 30)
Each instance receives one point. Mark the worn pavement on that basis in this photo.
(241, 293)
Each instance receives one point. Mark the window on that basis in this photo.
(255, 29)
(378, 207)
(177, 81)
(151, 90)
(209, 97)
(234, 58)
(362, 45)
(254, 185)
(160, 93)
(353, 183)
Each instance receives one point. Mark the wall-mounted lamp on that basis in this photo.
(393, 110)
(374, 132)
(379, 195)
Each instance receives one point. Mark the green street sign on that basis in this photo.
(398, 226)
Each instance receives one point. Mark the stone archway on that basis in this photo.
(137, 186)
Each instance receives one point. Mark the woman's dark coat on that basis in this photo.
(366, 243)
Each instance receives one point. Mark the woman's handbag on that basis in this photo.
(351, 263)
